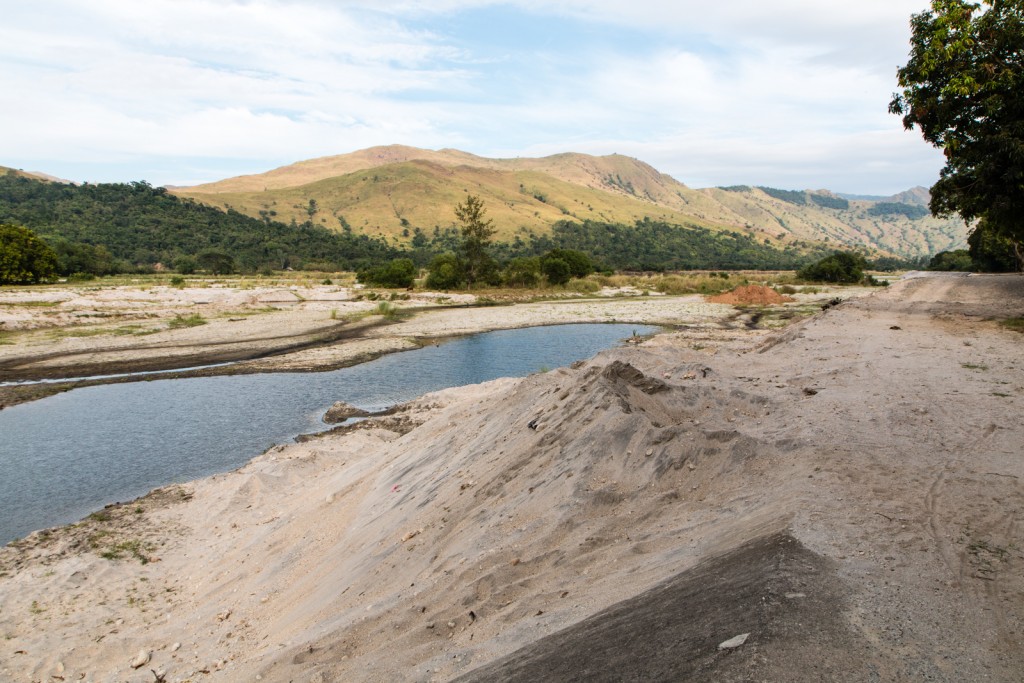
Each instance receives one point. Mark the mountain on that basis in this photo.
(390, 191)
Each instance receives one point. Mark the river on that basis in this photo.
(65, 456)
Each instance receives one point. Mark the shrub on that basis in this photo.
(398, 273)
(179, 321)
(556, 271)
(957, 260)
(522, 272)
(446, 272)
(844, 267)
(24, 258)
(579, 263)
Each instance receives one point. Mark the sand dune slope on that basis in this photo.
(847, 492)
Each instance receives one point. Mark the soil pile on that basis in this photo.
(757, 295)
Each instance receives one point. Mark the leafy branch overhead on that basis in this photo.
(963, 87)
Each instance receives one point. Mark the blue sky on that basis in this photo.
(790, 94)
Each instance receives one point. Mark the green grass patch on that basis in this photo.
(1015, 324)
(974, 366)
(181, 321)
(31, 304)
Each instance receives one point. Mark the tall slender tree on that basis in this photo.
(477, 232)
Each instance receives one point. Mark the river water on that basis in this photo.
(65, 456)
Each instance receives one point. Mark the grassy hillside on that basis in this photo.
(391, 191)
(395, 199)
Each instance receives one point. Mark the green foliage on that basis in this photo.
(180, 321)
(656, 246)
(830, 202)
(24, 258)
(556, 271)
(216, 262)
(1015, 324)
(579, 263)
(386, 309)
(993, 252)
(791, 196)
(77, 257)
(397, 273)
(522, 271)
(963, 86)
(140, 225)
(842, 267)
(911, 211)
(446, 272)
(957, 260)
(477, 232)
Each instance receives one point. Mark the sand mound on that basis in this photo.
(751, 294)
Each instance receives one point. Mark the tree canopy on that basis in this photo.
(24, 258)
(963, 86)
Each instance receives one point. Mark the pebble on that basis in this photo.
(650, 452)
(175, 647)
(734, 642)
(141, 659)
(451, 624)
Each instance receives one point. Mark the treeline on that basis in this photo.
(650, 245)
(113, 227)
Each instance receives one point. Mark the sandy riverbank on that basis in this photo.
(310, 328)
(847, 492)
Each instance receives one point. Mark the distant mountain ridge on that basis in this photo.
(392, 191)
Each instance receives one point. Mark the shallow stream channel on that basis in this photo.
(65, 456)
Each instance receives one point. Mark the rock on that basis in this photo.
(734, 642)
(223, 616)
(175, 647)
(141, 659)
(342, 411)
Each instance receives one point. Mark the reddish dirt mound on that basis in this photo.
(751, 294)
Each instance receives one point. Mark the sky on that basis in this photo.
(790, 94)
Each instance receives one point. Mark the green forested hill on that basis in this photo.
(143, 225)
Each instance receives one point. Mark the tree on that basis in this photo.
(556, 271)
(841, 267)
(446, 272)
(24, 258)
(476, 238)
(216, 262)
(956, 260)
(398, 273)
(963, 86)
(579, 263)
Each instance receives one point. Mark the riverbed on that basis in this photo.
(72, 453)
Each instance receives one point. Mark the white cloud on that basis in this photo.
(718, 89)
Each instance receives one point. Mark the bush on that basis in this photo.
(579, 263)
(556, 271)
(24, 258)
(446, 272)
(844, 267)
(398, 273)
(957, 260)
(522, 272)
